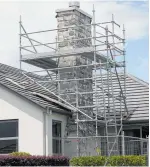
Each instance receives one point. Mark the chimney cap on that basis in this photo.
(74, 4)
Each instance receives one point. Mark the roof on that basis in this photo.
(137, 97)
(15, 80)
(137, 92)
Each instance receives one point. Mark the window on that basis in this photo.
(132, 146)
(56, 132)
(8, 136)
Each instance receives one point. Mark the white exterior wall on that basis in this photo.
(30, 121)
(63, 120)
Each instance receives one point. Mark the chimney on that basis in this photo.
(74, 4)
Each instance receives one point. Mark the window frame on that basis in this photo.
(11, 138)
(57, 138)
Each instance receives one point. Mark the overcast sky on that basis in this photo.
(41, 15)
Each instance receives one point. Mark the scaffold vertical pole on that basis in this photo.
(104, 104)
(123, 143)
(95, 80)
(56, 45)
(77, 115)
(112, 88)
(77, 134)
(124, 62)
(113, 40)
(20, 42)
(107, 80)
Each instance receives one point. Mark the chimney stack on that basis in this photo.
(74, 4)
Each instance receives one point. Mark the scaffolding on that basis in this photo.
(86, 72)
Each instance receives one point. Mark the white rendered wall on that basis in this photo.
(63, 120)
(31, 122)
(30, 119)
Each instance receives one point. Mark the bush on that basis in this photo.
(88, 161)
(9, 160)
(20, 154)
(132, 160)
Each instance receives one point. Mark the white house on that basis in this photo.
(29, 122)
(32, 120)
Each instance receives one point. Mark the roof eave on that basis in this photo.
(135, 121)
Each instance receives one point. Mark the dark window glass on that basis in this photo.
(56, 129)
(8, 146)
(56, 146)
(9, 128)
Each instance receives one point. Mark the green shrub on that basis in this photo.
(88, 161)
(20, 154)
(128, 160)
(131, 160)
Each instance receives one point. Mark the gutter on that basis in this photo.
(135, 121)
(53, 100)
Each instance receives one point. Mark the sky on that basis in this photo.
(40, 15)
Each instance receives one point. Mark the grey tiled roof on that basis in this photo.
(14, 79)
(137, 92)
(137, 97)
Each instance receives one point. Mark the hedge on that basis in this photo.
(8, 160)
(131, 160)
